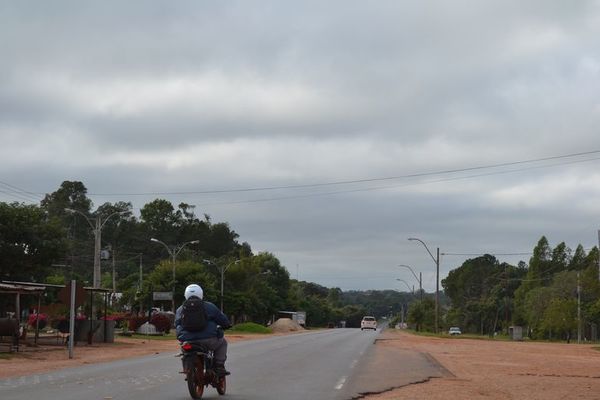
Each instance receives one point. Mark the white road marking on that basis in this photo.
(353, 364)
(340, 383)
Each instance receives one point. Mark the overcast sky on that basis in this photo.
(195, 96)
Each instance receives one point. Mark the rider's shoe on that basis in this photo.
(220, 370)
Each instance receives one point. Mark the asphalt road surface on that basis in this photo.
(335, 364)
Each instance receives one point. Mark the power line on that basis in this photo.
(19, 192)
(392, 186)
(491, 254)
(347, 182)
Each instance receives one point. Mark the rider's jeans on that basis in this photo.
(218, 346)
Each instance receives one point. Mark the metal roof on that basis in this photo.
(12, 288)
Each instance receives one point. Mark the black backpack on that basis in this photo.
(193, 315)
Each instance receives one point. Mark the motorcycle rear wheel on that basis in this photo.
(195, 382)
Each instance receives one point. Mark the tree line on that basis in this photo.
(545, 297)
(49, 243)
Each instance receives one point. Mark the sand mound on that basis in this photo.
(285, 325)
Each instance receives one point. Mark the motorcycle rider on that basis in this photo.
(211, 336)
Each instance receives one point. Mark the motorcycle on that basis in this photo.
(198, 366)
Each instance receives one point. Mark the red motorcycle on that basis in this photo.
(198, 367)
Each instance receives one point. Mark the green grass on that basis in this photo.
(249, 327)
(170, 336)
(6, 356)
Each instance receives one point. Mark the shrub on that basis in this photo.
(121, 319)
(33, 318)
(161, 321)
(251, 327)
(135, 322)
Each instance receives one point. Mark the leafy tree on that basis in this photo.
(536, 303)
(186, 273)
(578, 261)
(71, 194)
(30, 242)
(422, 314)
(560, 317)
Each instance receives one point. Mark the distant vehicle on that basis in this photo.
(454, 331)
(368, 323)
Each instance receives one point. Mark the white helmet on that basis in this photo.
(193, 290)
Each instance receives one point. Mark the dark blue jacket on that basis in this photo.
(215, 317)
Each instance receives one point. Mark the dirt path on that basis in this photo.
(500, 369)
(49, 358)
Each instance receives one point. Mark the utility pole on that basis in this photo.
(141, 272)
(140, 287)
(437, 290)
(97, 247)
(97, 229)
(114, 280)
(578, 309)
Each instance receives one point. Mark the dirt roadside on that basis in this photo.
(494, 370)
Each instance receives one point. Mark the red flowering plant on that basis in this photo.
(33, 318)
(161, 321)
(119, 318)
(135, 322)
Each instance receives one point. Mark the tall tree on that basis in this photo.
(30, 242)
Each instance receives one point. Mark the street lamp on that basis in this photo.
(407, 285)
(174, 252)
(222, 269)
(97, 229)
(436, 260)
(419, 279)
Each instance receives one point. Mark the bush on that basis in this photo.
(135, 322)
(161, 321)
(121, 319)
(33, 318)
(251, 327)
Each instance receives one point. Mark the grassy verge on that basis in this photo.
(463, 336)
(249, 327)
(170, 336)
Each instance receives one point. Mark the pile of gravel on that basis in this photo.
(285, 325)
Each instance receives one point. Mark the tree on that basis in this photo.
(30, 242)
(536, 303)
(422, 315)
(71, 194)
(560, 317)
(186, 273)
(578, 261)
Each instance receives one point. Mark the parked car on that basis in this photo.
(368, 322)
(455, 330)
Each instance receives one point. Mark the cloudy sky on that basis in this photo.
(362, 123)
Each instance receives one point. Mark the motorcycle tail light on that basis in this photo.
(186, 346)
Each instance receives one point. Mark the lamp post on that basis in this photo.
(437, 278)
(97, 229)
(412, 290)
(419, 279)
(222, 270)
(174, 252)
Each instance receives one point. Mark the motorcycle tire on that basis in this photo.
(195, 382)
(222, 385)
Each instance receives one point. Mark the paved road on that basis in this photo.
(332, 364)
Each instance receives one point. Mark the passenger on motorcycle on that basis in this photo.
(204, 329)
